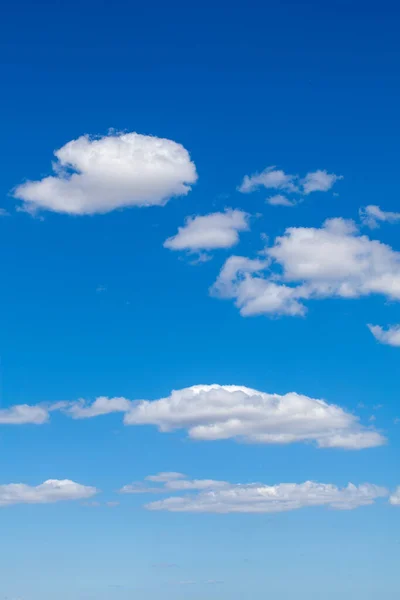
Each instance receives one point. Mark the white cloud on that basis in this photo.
(371, 216)
(52, 490)
(310, 263)
(261, 498)
(319, 181)
(271, 177)
(22, 414)
(101, 406)
(389, 336)
(208, 232)
(395, 497)
(280, 200)
(165, 476)
(98, 175)
(214, 412)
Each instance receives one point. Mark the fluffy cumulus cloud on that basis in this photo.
(307, 263)
(98, 175)
(209, 232)
(389, 336)
(273, 178)
(395, 497)
(372, 216)
(215, 412)
(52, 490)
(21, 414)
(260, 498)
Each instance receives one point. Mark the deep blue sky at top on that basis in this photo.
(301, 85)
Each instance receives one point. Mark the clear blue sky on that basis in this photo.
(95, 305)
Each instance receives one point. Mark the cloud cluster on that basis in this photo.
(372, 216)
(98, 175)
(209, 232)
(215, 412)
(389, 336)
(225, 497)
(333, 261)
(273, 178)
(52, 490)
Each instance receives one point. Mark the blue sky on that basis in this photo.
(233, 106)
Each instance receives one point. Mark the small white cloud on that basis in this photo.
(98, 175)
(101, 406)
(280, 200)
(216, 412)
(319, 181)
(52, 490)
(389, 336)
(21, 414)
(209, 232)
(372, 215)
(271, 177)
(261, 498)
(395, 497)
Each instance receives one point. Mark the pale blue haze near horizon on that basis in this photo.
(94, 305)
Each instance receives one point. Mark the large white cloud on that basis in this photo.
(209, 232)
(372, 215)
(261, 498)
(21, 414)
(97, 175)
(389, 336)
(215, 412)
(52, 490)
(211, 412)
(310, 263)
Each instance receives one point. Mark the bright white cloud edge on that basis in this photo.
(98, 175)
(389, 336)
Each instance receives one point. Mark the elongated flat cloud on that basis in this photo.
(373, 215)
(307, 263)
(395, 497)
(52, 490)
(280, 200)
(215, 412)
(273, 178)
(209, 232)
(101, 406)
(389, 336)
(261, 498)
(171, 482)
(98, 175)
(21, 414)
